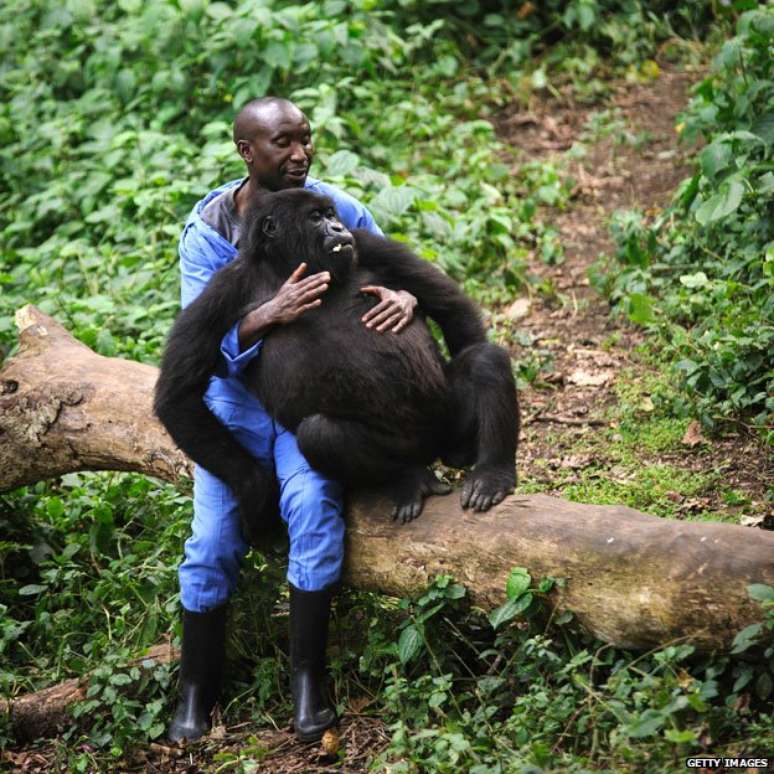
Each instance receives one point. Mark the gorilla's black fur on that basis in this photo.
(367, 407)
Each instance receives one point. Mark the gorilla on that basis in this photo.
(367, 408)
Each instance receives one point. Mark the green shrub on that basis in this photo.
(701, 276)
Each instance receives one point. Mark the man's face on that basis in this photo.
(280, 152)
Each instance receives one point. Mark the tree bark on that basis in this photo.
(633, 580)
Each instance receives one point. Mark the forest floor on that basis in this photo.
(589, 429)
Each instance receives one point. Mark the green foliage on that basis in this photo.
(538, 695)
(702, 275)
(114, 120)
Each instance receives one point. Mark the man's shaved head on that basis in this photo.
(264, 114)
(274, 139)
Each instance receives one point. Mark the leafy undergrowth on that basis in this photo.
(114, 120)
(607, 417)
(701, 275)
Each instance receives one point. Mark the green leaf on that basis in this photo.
(764, 128)
(31, 589)
(715, 157)
(409, 644)
(456, 591)
(218, 11)
(761, 592)
(509, 610)
(640, 308)
(125, 84)
(392, 202)
(722, 204)
(70, 550)
(698, 280)
(149, 629)
(746, 638)
(55, 508)
(647, 724)
(342, 163)
(681, 737)
(277, 54)
(766, 184)
(763, 686)
(518, 582)
(688, 190)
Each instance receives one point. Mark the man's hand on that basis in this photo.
(294, 297)
(394, 311)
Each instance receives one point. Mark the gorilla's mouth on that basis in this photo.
(342, 246)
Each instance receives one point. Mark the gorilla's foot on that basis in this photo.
(486, 485)
(408, 493)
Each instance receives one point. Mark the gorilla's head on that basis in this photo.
(289, 227)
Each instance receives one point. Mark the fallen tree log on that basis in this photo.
(633, 580)
(46, 712)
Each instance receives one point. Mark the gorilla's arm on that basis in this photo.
(191, 357)
(439, 296)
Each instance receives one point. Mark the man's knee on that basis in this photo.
(215, 549)
(312, 506)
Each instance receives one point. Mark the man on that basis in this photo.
(273, 138)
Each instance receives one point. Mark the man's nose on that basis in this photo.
(298, 152)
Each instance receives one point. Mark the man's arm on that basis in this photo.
(438, 296)
(200, 259)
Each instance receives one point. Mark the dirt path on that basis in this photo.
(632, 161)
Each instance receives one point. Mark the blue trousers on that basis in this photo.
(310, 505)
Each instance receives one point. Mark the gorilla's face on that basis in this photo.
(298, 225)
(336, 252)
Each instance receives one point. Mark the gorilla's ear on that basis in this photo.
(269, 226)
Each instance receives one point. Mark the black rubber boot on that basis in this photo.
(309, 614)
(201, 669)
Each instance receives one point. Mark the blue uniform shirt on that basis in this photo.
(203, 251)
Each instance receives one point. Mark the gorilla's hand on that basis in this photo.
(394, 311)
(487, 485)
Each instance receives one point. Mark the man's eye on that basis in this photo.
(282, 142)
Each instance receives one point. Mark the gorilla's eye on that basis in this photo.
(315, 216)
(330, 213)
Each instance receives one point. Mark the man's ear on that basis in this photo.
(245, 151)
(269, 227)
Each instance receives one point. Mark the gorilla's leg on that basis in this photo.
(484, 424)
(356, 453)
